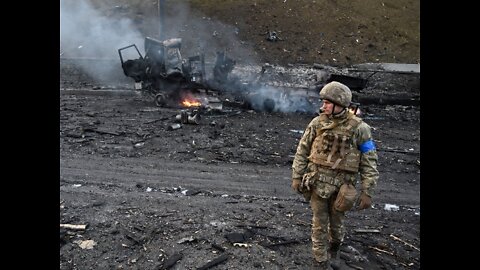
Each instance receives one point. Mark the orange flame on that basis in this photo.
(191, 103)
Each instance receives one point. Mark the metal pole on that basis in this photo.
(161, 15)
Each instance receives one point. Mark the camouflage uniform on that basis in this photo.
(323, 162)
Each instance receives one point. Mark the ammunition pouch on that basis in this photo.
(346, 198)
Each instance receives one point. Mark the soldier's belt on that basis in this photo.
(348, 177)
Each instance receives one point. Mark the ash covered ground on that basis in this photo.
(148, 193)
(155, 197)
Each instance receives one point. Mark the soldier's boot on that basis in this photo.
(334, 249)
(334, 255)
(321, 265)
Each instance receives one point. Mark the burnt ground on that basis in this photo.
(147, 193)
(150, 196)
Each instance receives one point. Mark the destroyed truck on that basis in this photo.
(162, 73)
(165, 76)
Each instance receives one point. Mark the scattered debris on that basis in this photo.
(403, 241)
(217, 247)
(241, 245)
(74, 227)
(218, 260)
(272, 36)
(173, 127)
(172, 260)
(391, 207)
(186, 117)
(186, 239)
(190, 192)
(381, 250)
(102, 131)
(86, 244)
(366, 230)
(297, 131)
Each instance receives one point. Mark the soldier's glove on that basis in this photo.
(365, 201)
(296, 183)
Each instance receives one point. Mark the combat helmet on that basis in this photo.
(337, 93)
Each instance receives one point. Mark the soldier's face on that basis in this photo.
(327, 107)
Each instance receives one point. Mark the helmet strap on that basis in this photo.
(333, 109)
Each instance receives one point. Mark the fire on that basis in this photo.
(191, 103)
(189, 99)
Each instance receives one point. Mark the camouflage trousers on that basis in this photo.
(327, 226)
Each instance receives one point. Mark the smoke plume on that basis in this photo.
(87, 33)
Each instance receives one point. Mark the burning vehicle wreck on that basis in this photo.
(169, 79)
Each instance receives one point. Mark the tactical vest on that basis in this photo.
(333, 146)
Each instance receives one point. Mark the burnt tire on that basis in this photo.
(160, 100)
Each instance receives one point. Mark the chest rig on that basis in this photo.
(333, 146)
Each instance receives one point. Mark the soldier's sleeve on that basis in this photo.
(368, 159)
(300, 161)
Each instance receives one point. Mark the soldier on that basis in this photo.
(335, 147)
